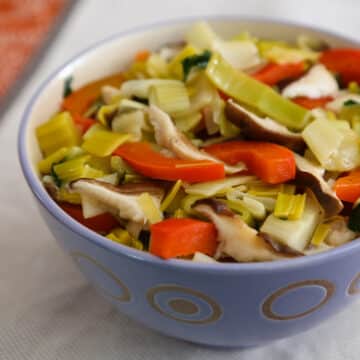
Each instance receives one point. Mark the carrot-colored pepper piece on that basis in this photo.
(148, 162)
(312, 103)
(182, 237)
(142, 55)
(102, 223)
(83, 123)
(272, 163)
(344, 61)
(80, 100)
(272, 73)
(347, 187)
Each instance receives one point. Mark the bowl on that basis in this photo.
(225, 305)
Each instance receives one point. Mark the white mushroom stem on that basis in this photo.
(168, 136)
(121, 202)
(236, 238)
(317, 83)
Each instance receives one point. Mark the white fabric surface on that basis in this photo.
(47, 311)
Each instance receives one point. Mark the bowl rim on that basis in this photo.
(57, 213)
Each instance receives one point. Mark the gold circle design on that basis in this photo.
(353, 289)
(184, 306)
(125, 296)
(267, 305)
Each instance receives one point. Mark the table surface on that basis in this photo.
(47, 310)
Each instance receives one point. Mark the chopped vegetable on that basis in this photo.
(150, 163)
(83, 123)
(141, 88)
(335, 148)
(171, 195)
(104, 143)
(216, 187)
(253, 93)
(195, 61)
(79, 100)
(150, 208)
(272, 73)
(347, 187)
(270, 162)
(201, 35)
(142, 55)
(181, 237)
(316, 83)
(320, 234)
(123, 237)
(56, 133)
(289, 207)
(344, 62)
(312, 103)
(294, 233)
(72, 169)
(171, 98)
(102, 223)
(46, 164)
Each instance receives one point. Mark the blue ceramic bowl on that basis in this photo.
(228, 305)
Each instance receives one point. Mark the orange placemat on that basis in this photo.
(24, 26)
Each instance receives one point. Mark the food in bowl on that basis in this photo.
(240, 150)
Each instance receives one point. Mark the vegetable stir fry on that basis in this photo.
(212, 149)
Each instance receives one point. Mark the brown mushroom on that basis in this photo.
(168, 136)
(254, 127)
(308, 175)
(236, 238)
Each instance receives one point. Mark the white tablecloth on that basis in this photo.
(47, 311)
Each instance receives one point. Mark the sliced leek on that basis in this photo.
(289, 207)
(157, 67)
(335, 148)
(217, 187)
(320, 234)
(106, 113)
(150, 208)
(56, 133)
(294, 233)
(251, 92)
(175, 66)
(186, 123)
(201, 36)
(72, 169)
(45, 165)
(171, 98)
(123, 237)
(141, 88)
(132, 122)
(102, 143)
(171, 195)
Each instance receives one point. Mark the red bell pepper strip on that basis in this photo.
(347, 187)
(148, 162)
(345, 62)
(102, 223)
(272, 73)
(142, 55)
(80, 100)
(272, 163)
(182, 237)
(83, 123)
(312, 103)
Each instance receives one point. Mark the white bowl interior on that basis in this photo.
(114, 55)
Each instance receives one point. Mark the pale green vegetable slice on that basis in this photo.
(295, 233)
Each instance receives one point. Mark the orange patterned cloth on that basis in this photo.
(24, 25)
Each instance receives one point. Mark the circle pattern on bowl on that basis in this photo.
(354, 285)
(267, 308)
(184, 304)
(105, 280)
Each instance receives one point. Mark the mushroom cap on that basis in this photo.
(254, 127)
(236, 238)
(308, 175)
